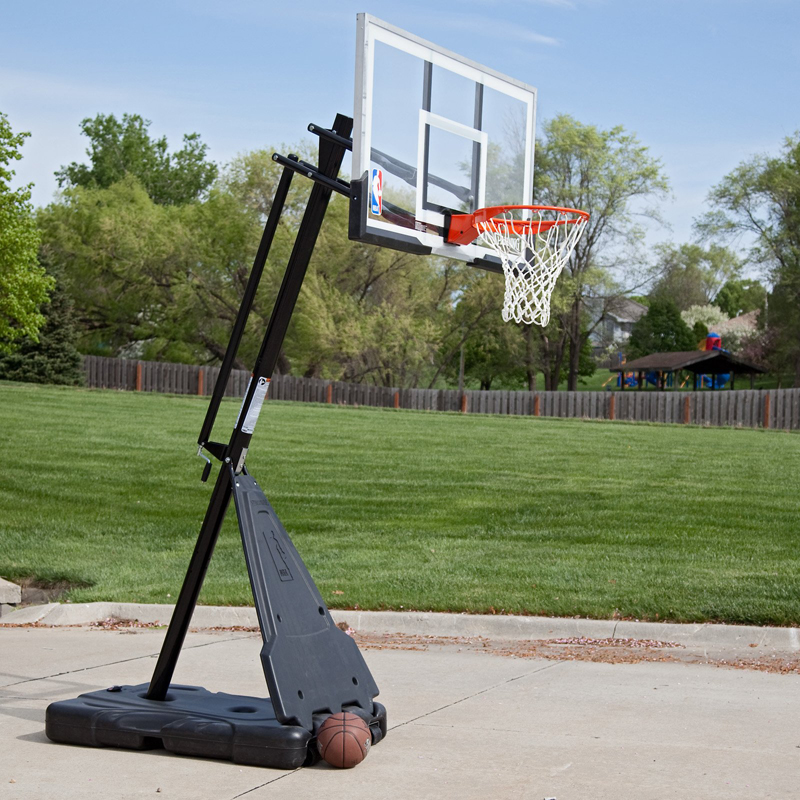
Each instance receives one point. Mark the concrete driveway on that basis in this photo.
(467, 719)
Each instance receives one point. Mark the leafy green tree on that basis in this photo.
(470, 313)
(165, 281)
(660, 330)
(782, 350)
(252, 178)
(605, 173)
(691, 275)
(761, 197)
(127, 264)
(699, 331)
(369, 314)
(121, 147)
(54, 358)
(23, 282)
(740, 297)
(495, 351)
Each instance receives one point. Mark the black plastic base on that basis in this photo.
(193, 722)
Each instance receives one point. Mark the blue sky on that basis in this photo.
(703, 83)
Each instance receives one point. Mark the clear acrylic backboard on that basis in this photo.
(434, 134)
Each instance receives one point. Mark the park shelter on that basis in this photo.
(698, 362)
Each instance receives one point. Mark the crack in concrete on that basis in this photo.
(477, 694)
(262, 785)
(114, 663)
(422, 716)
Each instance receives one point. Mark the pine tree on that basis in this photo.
(660, 330)
(54, 358)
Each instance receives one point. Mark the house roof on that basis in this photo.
(741, 324)
(623, 309)
(711, 362)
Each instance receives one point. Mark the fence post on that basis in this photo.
(463, 402)
(329, 393)
(200, 381)
(397, 399)
(686, 409)
(766, 409)
(536, 408)
(138, 376)
(612, 407)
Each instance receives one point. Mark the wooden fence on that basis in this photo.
(774, 408)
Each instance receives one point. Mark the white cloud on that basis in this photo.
(500, 29)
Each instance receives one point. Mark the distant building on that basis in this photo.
(741, 325)
(619, 316)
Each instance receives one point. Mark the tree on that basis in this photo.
(370, 314)
(23, 282)
(691, 275)
(604, 173)
(710, 316)
(660, 330)
(118, 148)
(165, 281)
(127, 264)
(54, 358)
(740, 297)
(494, 351)
(761, 197)
(476, 300)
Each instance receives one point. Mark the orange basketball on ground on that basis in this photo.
(343, 740)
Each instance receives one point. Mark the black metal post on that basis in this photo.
(330, 160)
(247, 303)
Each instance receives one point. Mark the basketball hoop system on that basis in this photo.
(532, 251)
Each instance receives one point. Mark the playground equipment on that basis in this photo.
(713, 341)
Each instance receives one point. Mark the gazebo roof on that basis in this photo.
(708, 362)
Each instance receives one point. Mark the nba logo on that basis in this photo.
(376, 192)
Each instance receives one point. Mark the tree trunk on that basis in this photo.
(530, 358)
(553, 357)
(556, 364)
(574, 335)
(283, 367)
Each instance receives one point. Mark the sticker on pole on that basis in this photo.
(376, 192)
(251, 417)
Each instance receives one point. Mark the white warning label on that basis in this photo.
(251, 417)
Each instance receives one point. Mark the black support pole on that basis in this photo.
(247, 302)
(331, 154)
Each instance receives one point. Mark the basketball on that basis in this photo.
(343, 740)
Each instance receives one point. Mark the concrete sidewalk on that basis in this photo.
(463, 724)
(710, 637)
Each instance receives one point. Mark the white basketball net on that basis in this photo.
(532, 259)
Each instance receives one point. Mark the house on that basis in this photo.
(619, 316)
(742, 325)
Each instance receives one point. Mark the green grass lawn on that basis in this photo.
(412, 510)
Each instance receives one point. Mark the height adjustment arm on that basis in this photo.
(331, 136)
(312, 172)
